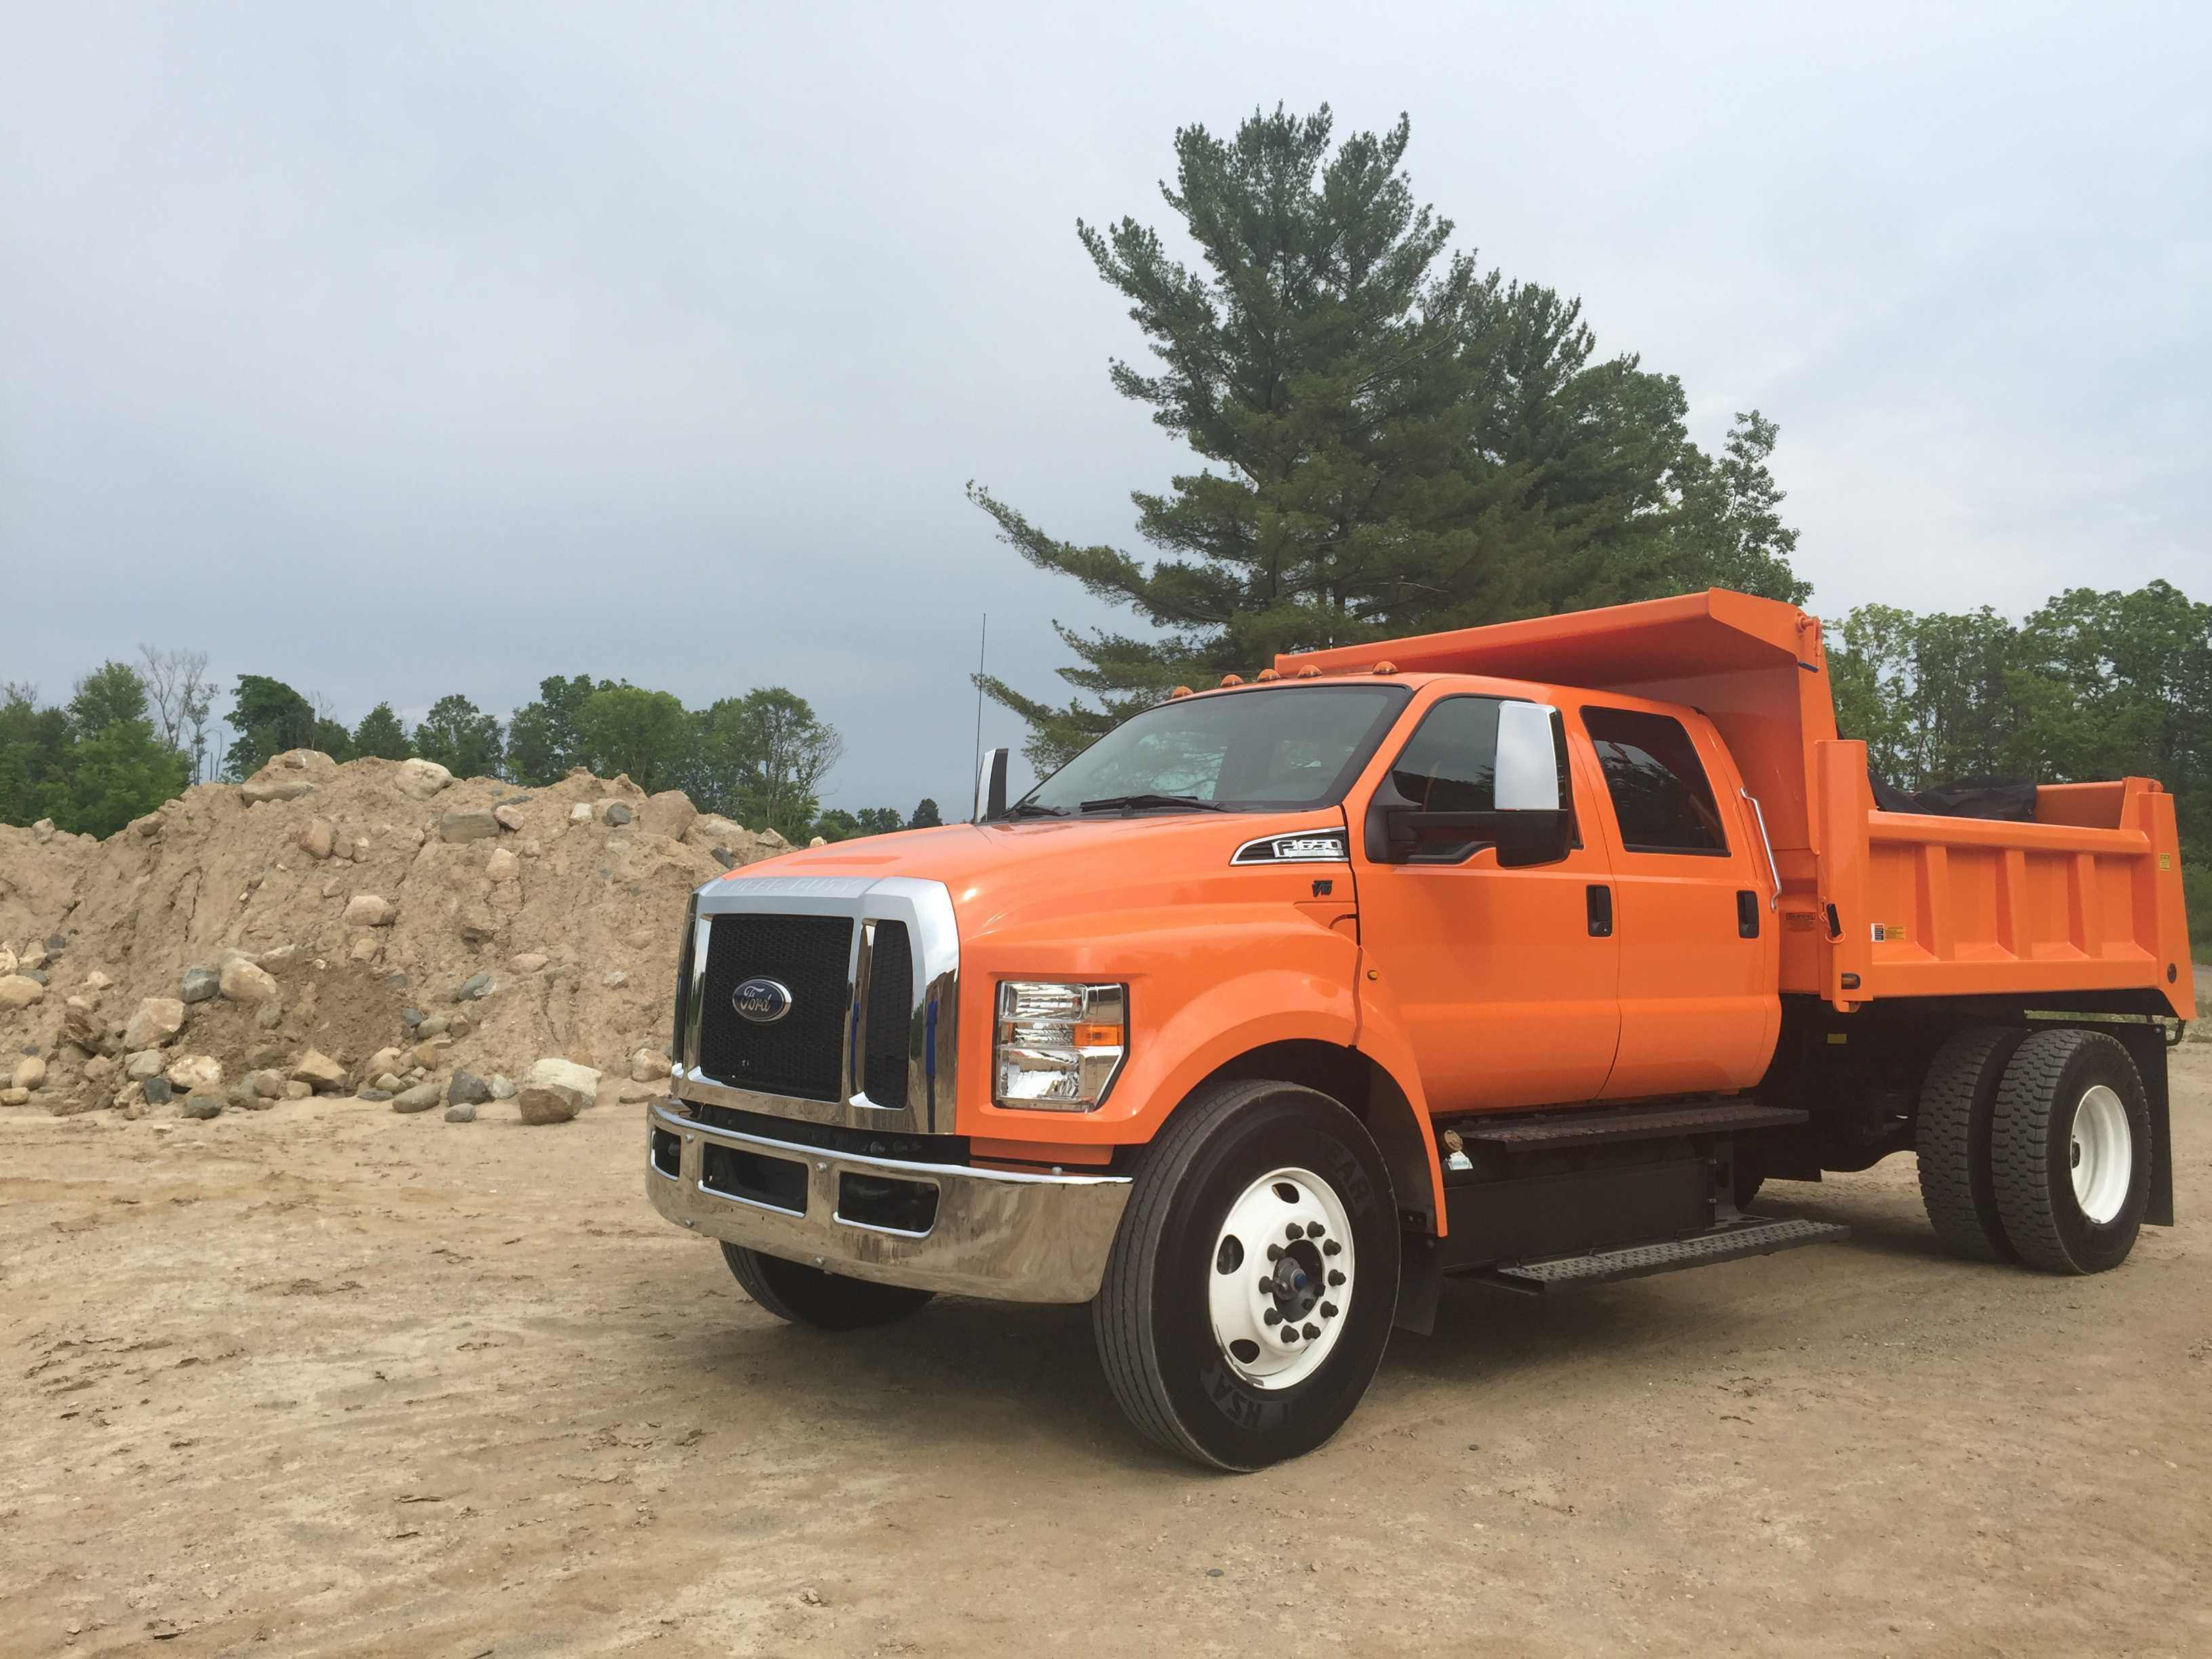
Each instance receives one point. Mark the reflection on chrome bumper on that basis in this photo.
(1018, 1237)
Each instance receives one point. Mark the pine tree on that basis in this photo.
(381, 736)
(1394, 440)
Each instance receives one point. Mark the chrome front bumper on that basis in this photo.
(998, 1233)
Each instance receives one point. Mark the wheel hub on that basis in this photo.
(2100, 1154)
(1282, 1279)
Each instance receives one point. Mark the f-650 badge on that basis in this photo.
(1299, 847)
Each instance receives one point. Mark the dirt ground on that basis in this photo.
(326, 1380)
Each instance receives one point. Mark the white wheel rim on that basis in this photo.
(2102, 1150)
(1306, 1284)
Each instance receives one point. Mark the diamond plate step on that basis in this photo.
(1750, 1237)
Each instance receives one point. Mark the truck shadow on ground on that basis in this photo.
(1005, 1381)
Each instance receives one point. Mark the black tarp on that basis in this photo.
(2006, 799)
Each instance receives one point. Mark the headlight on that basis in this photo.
(1059, 1046)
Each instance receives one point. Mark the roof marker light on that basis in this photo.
(1232, 679)
(1386, 666)
(1266, 674)
(1179, 691)
(1310, 672)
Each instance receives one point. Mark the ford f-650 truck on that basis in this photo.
(1523, 953)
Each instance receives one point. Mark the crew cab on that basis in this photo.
(1524, 953)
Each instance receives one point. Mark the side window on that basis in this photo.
(1450, 765)
(1660, 796)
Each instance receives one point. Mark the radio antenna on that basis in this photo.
(981, 644)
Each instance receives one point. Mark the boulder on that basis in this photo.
(510, 818)
(30, 1073)
(322, 1074)
(318, 836)
(202, 1105)
(476, 923)
(419, 780)
(503, 865)
(420, 1098)
(295, 1090)
(157, 1020)
(464, 1113)
(669, 813)
(477, 825)
(156, 1089)
(368, 910)
(242, 982)
(529, 962)
(474, 988)
(648, 1066)
(149, 826)
(42, 831)
(15, 1096)
(261, 789)
(581, 812)
(554, 1090)
(95, 983)
(503, 1088)
(199, 984)
(269, 1083)
(190, 1072)
(384, 1060)
(145, 1063)
(19, 991)
(467, 1089)
(615, 812)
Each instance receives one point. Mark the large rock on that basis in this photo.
(420, 1098)
(30, 1072)
(502, 865)
(467, 1089)
(288, 777)
(368, 910)
(20, 991)
(648, 1066)
(615, 812)
(202, 1105)
(318, 836)
(242, 982)
(509, 816)
(669, 813)
(199, 984)
(157, 1020)
(145, 1063)
(477, 825)
(419, 780)
(322, 1074)
(554, 1090)
(194, 1073)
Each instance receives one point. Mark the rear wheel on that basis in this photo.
(1951, 1134)
(800, 1295)
(1253, 1283)
(2071, 1152)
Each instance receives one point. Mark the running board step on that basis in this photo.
(1750, 1237)
(1542, 1131)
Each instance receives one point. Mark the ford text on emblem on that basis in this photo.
(763, 1001)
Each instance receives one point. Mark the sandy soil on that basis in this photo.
(326, 1380)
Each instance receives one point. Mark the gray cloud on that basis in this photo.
(401, 353)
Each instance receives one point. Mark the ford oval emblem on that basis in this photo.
(763, 1001)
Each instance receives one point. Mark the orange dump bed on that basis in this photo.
(2085, 902)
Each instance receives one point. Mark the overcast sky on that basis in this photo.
(397, 351)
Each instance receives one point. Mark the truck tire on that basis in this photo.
(800, 1295)
(1252, 1286)
(1951, 1137)
(2071, 1152)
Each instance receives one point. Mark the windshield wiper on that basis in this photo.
(1034, 809)
(1110, 802)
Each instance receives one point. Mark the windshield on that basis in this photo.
(1282, 747)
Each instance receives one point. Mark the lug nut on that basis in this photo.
(1290, 1332)
(1294, 1232)
(1332, 1248)
(1272, 1317)
(1328, 1310)
(1313, 1229)
(1336, 1275)
(1274, 1253)
(1311, 1332)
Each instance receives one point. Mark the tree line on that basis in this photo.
(133, 735)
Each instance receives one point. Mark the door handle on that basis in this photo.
(1600, 899)
(1747, 914)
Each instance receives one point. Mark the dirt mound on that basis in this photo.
(396, 916)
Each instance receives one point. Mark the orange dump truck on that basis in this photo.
(1523, 953)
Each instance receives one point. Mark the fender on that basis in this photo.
(1383, 1041)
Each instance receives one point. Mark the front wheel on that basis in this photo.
(800, 1295)
(1253, 1283)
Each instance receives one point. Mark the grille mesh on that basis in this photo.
(890, 1015)
(798, 1055)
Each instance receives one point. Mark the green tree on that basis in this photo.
(381, 736)
(1393, 440)
(879, 820)
(459, 737)
(111, 766)
(268, 717)
(542, 740)
(763, 759)
(35, 745)
(925, 815)
(838, 824)
(645, 734)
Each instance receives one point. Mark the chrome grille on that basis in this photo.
(798, 1055)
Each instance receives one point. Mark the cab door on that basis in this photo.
(1699, 1003)
(1505, 981)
